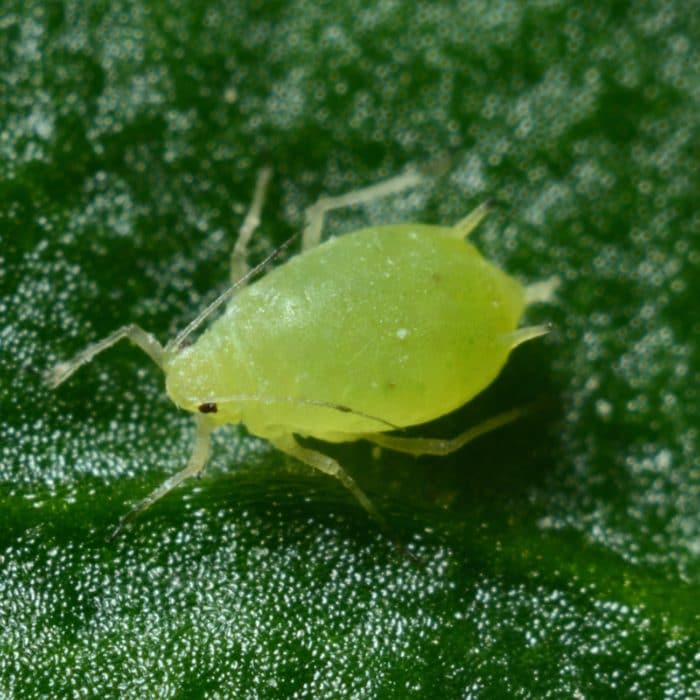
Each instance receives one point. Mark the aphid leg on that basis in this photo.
(437, 446)
(197, 462)
(327, 465)
(542, 291)
(239, 262)
(466, 225)
(522, 335)
(316, 212)
(60, 372)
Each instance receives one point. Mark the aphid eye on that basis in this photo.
(208, 408)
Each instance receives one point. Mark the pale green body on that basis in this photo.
(396, 324)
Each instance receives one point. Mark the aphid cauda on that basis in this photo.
(378, 329)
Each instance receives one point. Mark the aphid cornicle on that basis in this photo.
(375, 330)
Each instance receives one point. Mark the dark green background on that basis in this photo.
(561, 556)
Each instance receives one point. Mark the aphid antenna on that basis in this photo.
(181, 338)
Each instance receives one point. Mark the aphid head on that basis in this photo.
(193, 380)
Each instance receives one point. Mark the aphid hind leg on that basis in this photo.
(437, 446)
(316, 212)
(144, 340)
(198, 460)
(329, 466)
(239, 254)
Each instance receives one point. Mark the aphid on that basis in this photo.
(378, 329)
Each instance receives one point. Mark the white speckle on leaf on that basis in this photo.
(664, 459)
(603, 408)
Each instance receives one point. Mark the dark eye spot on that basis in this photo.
(208, 408)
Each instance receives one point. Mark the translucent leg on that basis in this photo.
(327, 465)
(239, 262)
(316, 212)
(436, 446)
(60, 372)
(197, 462)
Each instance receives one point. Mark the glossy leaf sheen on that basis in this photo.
(560, 555)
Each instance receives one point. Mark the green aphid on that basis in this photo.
(378, 329)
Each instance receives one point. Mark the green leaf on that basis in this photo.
(560, 557)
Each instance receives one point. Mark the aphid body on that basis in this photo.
(405, 323)
(382, 328)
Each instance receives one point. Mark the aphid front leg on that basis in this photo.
(440, 447)
(239, 262)
(316, 212)
(327, 465)
(197, 462)
(60, 372)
